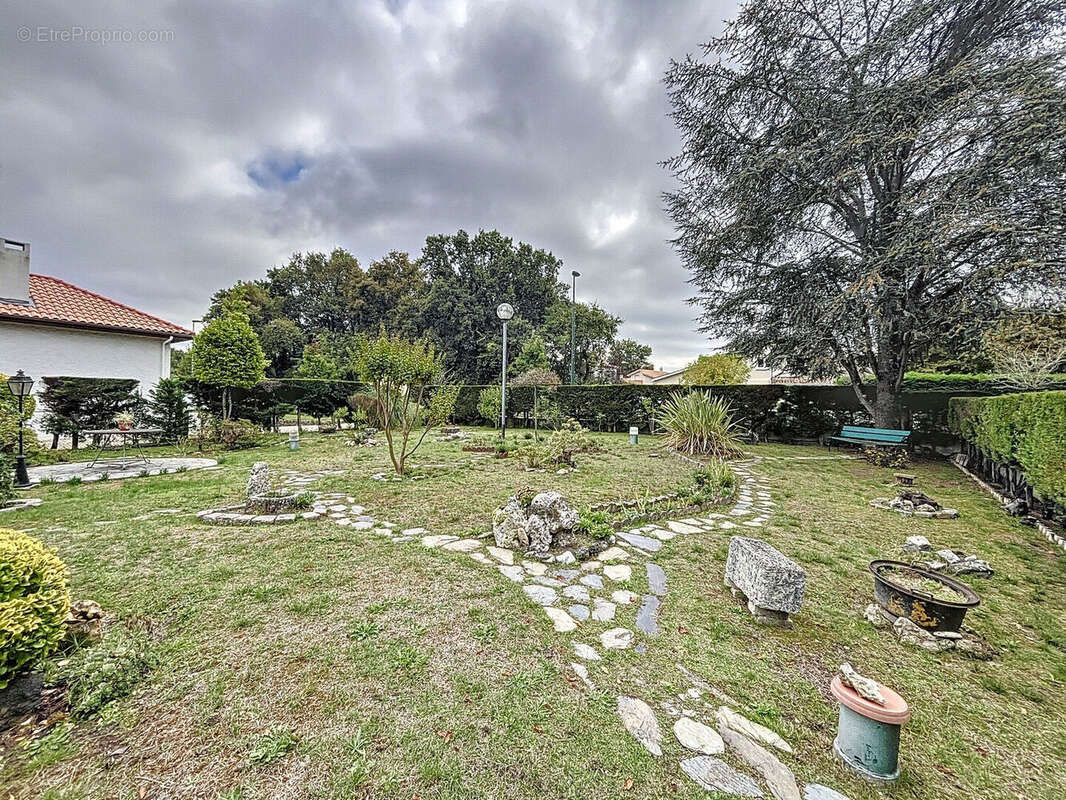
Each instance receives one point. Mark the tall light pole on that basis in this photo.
(20, 385)
(504, 312)
(574, 274)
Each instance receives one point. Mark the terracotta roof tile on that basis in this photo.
(56, 302)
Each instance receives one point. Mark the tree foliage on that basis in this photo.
(169, 410)
(858, 178)
(407, 381)
(226, 354)
(720, 369)
(1028, 348)
(625, 356)
(77, 404)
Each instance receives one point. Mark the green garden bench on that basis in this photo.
(878, 437)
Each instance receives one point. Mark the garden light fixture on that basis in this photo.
(504, 312)
(574, 274)
(20, 385)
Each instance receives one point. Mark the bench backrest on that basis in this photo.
(875, 434)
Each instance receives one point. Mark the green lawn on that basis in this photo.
(314, 661)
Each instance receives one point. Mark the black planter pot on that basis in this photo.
(922, 609)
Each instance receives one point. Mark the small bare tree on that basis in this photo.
(1028, 349)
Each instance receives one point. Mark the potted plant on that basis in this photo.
(124, 421)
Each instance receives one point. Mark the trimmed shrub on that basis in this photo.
(108, 671)
(7, 478)
(698, 423)
(33, 602)
(489, 402)
(228, 434)
(1024, 430)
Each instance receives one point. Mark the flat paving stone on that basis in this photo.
(614, 554)
(648, 616)
(681, 527)
(639, 719)
(579, 593)
(643, 542)
(753, 730)
(463, 545)
(562, 621)
(582, 672)
(579, 612)
(656, 580)
(591, 566)
(617, 638)
(542, 595)
(534, 567)
(432, 541)
(586, 651)
(501, 554)
(624, 597)
(715, 775)
(592, 581)
(544, 580)
(664, 535)
(618, 572)
(699, 737)
(603, 610)
(512, 572)
(816, 791)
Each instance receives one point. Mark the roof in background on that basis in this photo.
(56, 302)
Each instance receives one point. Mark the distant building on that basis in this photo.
(654, 376)
(50, 328)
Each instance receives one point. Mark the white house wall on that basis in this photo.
(47, 352)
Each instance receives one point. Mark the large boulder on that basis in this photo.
(546, 523)
(770, 582)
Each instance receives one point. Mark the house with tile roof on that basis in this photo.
(52, 328)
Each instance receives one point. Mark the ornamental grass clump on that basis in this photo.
(34, 601)
(698, 423)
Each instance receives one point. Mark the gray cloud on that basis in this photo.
(157, 171)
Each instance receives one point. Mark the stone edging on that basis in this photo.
(883, 503)
(1051, 535)
(20, 503)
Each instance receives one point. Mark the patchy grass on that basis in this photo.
(313, 661)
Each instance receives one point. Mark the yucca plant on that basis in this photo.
(698, 423)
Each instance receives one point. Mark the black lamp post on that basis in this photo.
(20, 386)
(574, 274)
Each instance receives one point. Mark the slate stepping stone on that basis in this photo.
(534, 567)
(579, 612)
(682, 527)
(624, 597)
(463, 545)
(541, 595)
(579, 593)
(586, 652)
(778, 777)
(565, 574)
(639, 720)
(501, 554)
(603, 610)
(562, 621)
(699, 737)
(617, 638)
(544, 580)
(643, 542)
(614, 554)
(656, 580)
(592, 581)
(417, 532)
(753, 730)
(433, 541)
(591, 566)
(648, 616)
(618, 572)
(512, 572)
(726, 525)
(481, 558)
(715, 775)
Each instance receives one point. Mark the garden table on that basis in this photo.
(128, 439)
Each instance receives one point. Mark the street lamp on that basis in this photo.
(504, 311)
(574, 274)
(20, 385)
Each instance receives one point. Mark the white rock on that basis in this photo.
(815, 791)
(534, 567)
(463, 545)
(624, 597)
(614, 554)
(582, 672)
(434, 541)
(681, 527)
(562, 621)
(699, 737)
(865, 687)
(579, 593)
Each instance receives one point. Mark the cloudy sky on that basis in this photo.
(156, 151)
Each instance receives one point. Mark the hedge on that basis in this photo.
(1024, 430)
(782, 412)
(976, 382)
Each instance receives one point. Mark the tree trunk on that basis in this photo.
(887, 405)
(74, 437)
(55, 441)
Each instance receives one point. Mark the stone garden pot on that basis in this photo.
(272, 503)
(934, 613)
